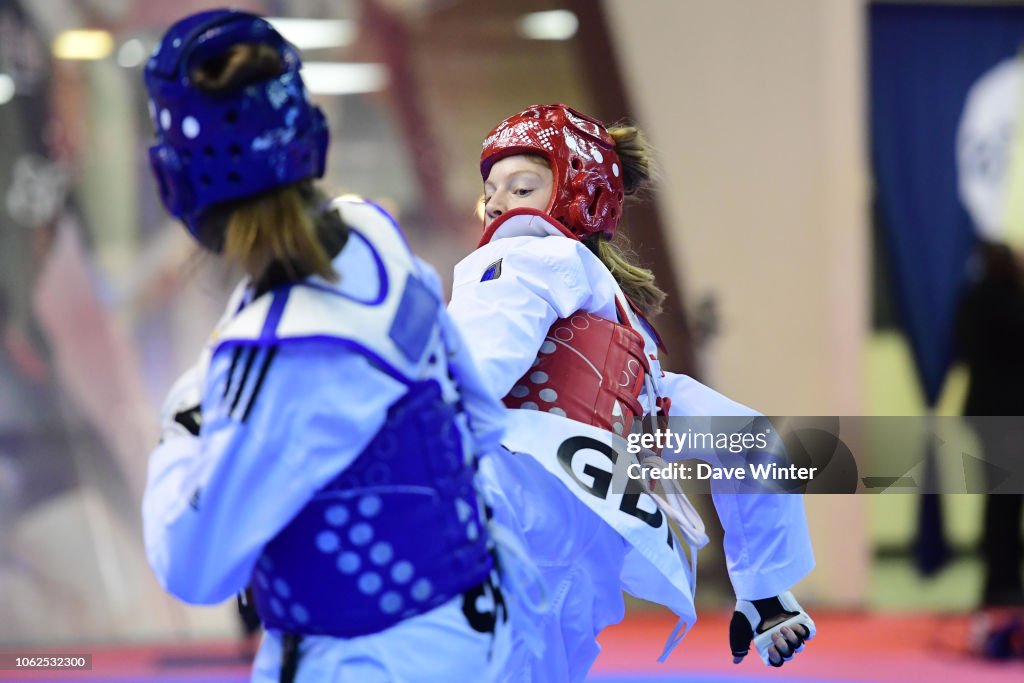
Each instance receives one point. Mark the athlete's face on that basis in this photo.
(517, 182)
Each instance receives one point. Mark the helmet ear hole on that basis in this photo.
(576, 164)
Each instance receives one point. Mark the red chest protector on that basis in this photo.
(588, 369)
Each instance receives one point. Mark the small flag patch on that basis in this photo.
(493, 271)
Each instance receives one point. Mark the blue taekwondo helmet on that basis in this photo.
(215, 147)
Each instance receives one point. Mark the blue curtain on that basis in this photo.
(923, 60)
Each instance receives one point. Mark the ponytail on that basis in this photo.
(636, 282)
(275, 227)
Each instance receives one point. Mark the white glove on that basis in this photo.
(180, 415)
(778, 626)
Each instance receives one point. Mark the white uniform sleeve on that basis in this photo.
(486, 413)
(508, 316)
(767, 544)
(278, 424)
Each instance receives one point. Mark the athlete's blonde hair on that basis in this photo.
(637, 282)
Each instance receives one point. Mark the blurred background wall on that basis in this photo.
(757, 112)
(761, 225)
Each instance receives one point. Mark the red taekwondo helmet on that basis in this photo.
(588, 192)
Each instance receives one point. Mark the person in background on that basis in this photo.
(323, 449)
(990, 340)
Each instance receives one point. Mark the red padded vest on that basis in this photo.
(588, 369)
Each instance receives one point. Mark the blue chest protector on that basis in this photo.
(399, 531)
(394, 535)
